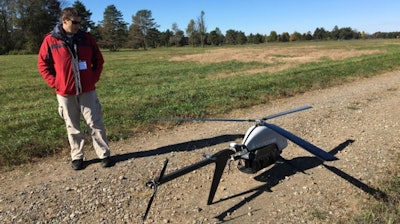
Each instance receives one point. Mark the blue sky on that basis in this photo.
(261, 16)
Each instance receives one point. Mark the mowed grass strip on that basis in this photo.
(137, 87)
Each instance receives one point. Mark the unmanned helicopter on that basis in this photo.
(261, 147)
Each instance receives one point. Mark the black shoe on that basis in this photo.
(77, 164)
(106, 162)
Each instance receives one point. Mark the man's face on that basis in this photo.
(71, 25)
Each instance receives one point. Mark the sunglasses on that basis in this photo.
(75, 22)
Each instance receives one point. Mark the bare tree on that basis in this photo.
(202, 29)
(177, 36)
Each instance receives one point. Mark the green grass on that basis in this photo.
(139, 86)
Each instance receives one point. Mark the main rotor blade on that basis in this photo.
(321, 154)
(286, 112)
(207, 119)
(236, 120)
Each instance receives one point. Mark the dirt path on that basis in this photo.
(357, 121)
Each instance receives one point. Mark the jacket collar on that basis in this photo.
(59, 33)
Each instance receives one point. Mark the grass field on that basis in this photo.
(139, 86)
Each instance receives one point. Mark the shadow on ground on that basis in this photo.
(285, 168)
(180, 147)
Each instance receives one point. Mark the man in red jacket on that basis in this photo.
(71, 63)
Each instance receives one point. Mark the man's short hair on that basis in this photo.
(69, 13)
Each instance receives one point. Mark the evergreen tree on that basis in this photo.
(112, 29)
(320, 34)
(240, 38)
(230, 37)
(165, 37)
(284, 37)
(255, 39)
(215, 37)
(153, 38)
(335, 33)
(273, 36)
(142, 22)
(135, 37)
(86, 24)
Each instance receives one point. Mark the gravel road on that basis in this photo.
(358, 122)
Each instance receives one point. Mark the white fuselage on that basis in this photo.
(259, 136)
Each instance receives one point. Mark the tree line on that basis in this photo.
(23, 24)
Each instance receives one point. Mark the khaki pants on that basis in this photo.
(70, 109)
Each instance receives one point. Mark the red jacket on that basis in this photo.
(55, 61)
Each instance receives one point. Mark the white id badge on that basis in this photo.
(82, 65)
